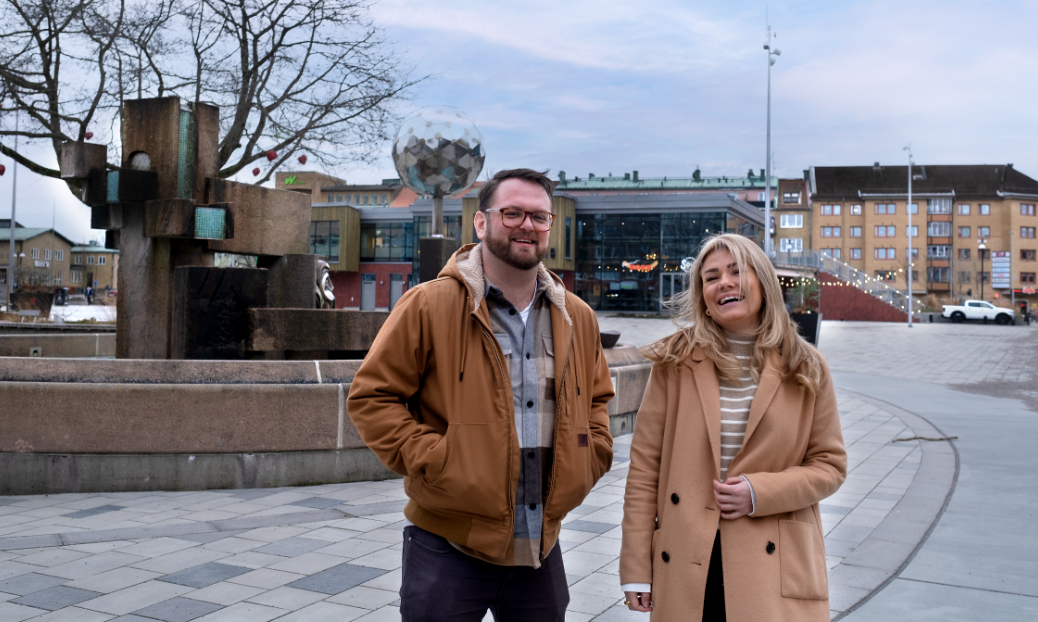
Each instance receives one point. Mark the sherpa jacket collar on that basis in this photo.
(467, 266)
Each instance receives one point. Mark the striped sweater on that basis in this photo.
(736, 398)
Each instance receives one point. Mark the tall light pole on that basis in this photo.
(14, 201)
(908, 208)
(767, 175)
(981, 246)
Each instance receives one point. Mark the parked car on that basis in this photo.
(978, 310)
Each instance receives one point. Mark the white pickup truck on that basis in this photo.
(978, 310)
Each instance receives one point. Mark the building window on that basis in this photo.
(913, 231)
(1027, 209)
(982, 277)
(985, 209)
(101, 259)
(1027, 278)
(964, 209)
(46, 253)
(830, 210)
(569, 237)
(913, 208)
(884, 253)
(90, 260)
(35, 254)
(938, 206)
(384, 198)
(938, 229)
(791, 221)
(885, 275)
(965, 277)
(938, 275)
(984, 254)
(855, 232)
(915, 252)
(1026, 255)
(59, 255)
(77, 276)
(884, 231)
(324, 239)
(984, 232)
(964, 232)
(830, 232)
(855, 253)
(964, 253)
(885, 208)
(1027, 232)
(832, 252)
(791, 197)
(78, 260)
(791, 244)
(855, 210)
(57, 278)
(938, 252)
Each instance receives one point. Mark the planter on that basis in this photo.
(809, 325)
(609, 338)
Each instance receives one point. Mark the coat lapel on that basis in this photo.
(770, 379)
(709, 391)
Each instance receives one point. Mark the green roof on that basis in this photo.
(22, 234)
(666, 183)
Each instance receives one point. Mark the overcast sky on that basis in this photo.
(660, 87)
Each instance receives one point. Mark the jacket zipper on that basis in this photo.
(498, 356)
(562, 387)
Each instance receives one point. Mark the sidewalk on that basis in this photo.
(333, 552)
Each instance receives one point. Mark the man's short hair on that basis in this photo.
(486, 193)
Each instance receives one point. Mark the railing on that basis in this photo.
(851, 276)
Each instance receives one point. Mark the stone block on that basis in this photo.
(107, 216)
(435, 252)
(130, 186)
(183, 372)
(266, 221)
(169, 218)
(79, 158)
(314, 329)
(211, 310)
(64, 346)
(292, 281)
(96, 190)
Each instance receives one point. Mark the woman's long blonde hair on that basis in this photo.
(776, 332)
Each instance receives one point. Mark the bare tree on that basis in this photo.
(290, 76)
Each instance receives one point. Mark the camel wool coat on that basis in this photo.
(793, 456)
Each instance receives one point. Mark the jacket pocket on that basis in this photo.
(573, 474)
(474, 478)
(802, 559)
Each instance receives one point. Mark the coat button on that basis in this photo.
(530, 455)
(529, 404)
(771, 548)
(674, 498)
(511, 311)
(665, 555)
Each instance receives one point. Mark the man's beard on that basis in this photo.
(500, 247)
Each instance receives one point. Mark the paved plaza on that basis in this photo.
(917, 531)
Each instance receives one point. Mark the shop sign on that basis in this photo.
(640, 267)
(294, 181)
(1000, 269)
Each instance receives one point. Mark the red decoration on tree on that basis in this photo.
(3, 169)
(302, 159)
(89, 135)
(271, 155)
(255, 172)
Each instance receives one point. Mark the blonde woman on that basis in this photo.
(737, 440)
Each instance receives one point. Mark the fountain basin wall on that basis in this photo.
(73, 425)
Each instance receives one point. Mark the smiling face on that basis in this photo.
(522, 247)
(733, 299)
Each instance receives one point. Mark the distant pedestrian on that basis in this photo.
(90, 295)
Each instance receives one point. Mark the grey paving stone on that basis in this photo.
(337, 579)
(877, 553)
(55, 598)
(884, 496)
(204, 575)
(858, 576)
(29, 583)
(101, 509)
(619, 613)
(588, 526)
(131, 618)
(834, 509)
(29, 542)
(133, 533)
(211, 536)
(275, 520)
(291, 547)
(254, 493)
(371, 509)
(178, 610)
(843, 597)
(319, 503)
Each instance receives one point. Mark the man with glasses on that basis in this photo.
(487, 390)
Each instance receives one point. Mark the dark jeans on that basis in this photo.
(442, 583)
(713, 603)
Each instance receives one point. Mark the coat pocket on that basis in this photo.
(474, 478)
(802, 559)
(574, 477)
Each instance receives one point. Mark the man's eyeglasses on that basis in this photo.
(514, 218)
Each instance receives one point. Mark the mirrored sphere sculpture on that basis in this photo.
(438, 151)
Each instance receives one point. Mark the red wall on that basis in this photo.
(347, 284)
(840, 301)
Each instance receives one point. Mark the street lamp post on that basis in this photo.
(908, 208)
(981, 246)
(767, 175)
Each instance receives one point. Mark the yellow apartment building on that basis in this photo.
(963, 217)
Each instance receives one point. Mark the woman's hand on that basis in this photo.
(733, 498)
(638, 601)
